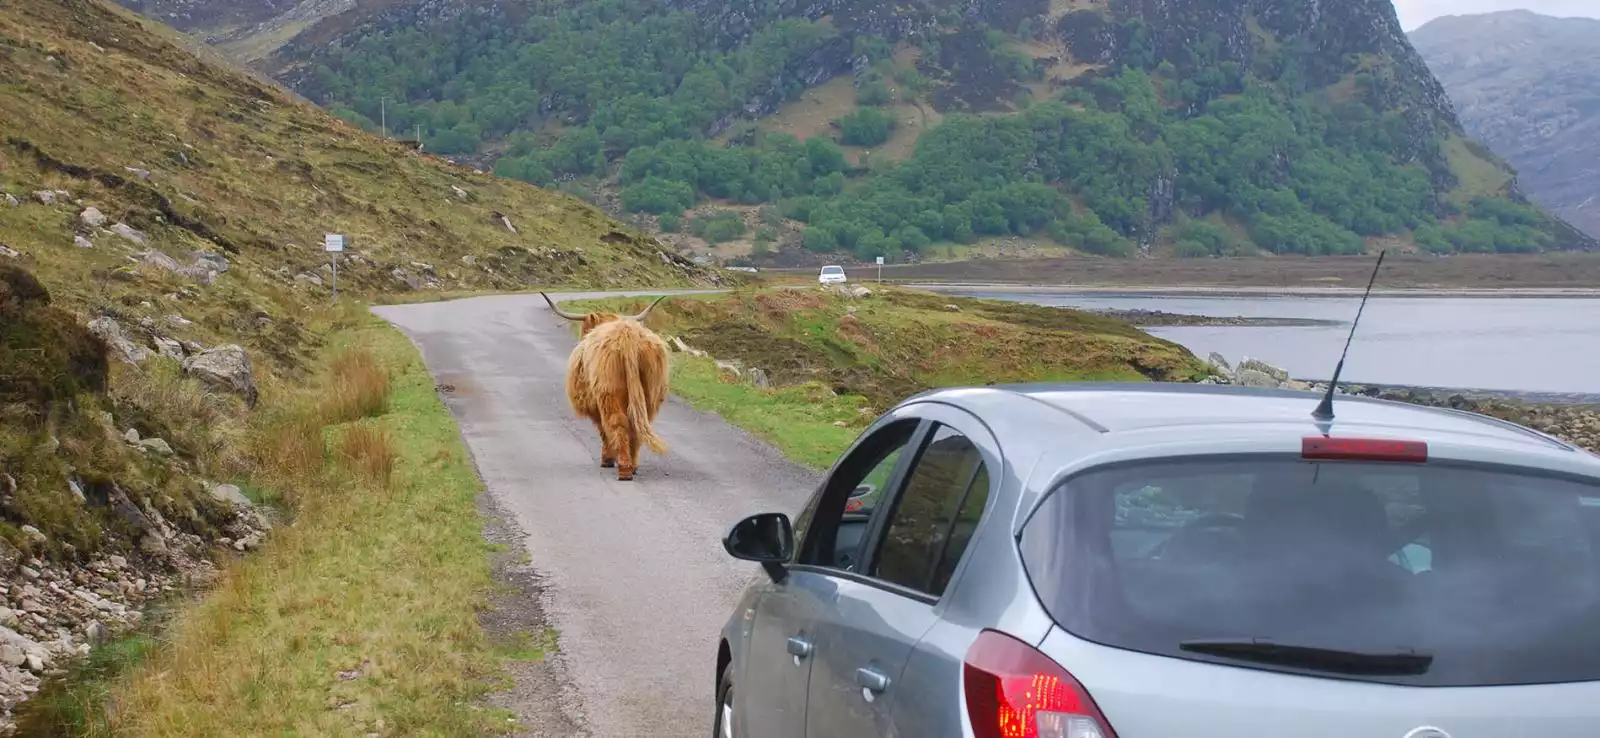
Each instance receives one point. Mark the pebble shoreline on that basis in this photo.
(1573, 418)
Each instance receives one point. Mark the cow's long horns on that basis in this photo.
(647, 310)
(560, 312)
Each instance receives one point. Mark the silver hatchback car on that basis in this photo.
(1150, 561)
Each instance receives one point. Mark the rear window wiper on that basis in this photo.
(1399, 662)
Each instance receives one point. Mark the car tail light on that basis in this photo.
(853, 504)
(1367, 449)
(1014, 691)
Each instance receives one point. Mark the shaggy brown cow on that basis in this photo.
(617, 378)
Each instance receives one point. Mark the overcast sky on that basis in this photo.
(1414, 13)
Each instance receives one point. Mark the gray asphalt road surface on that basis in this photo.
(633, 573)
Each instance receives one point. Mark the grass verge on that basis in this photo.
(809, 423)
(358, 619)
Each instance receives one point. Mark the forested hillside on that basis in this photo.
(1195, 127)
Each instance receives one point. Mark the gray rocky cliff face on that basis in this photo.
(1528, 87)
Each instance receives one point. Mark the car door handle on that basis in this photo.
(872, 679)
(799, 647)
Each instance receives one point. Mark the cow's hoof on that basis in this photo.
(607, 463)
(625, 475)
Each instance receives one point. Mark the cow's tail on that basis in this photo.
(638, 406)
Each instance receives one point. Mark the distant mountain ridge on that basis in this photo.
(1528, 87)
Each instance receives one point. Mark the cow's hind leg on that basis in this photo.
(608, 457)
(615, 421)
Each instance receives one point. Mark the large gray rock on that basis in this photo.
(210, 260)
(1264, 368)
(1256, 378)
(122, 349)
(82, 243)
(231, 494)
(159, 261)
(12, 200)
(92, 217)
(126, 231)
(225, 368)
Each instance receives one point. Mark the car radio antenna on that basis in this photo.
(1324, 411)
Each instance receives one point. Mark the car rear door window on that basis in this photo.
(934, 517)
(1493, 573)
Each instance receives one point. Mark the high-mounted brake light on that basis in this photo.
(1014, 691)
(1366, 449)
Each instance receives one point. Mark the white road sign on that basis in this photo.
(333, 243)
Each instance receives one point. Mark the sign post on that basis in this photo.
(333, 243)
(880, 269)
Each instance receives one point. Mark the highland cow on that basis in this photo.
(617, 378)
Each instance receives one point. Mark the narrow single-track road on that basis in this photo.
(633, 574)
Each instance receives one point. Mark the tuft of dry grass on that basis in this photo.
(359, 387)
(368, 450)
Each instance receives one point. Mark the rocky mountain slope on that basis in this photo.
(1196, 127)
(163, 289)
(1528, 86)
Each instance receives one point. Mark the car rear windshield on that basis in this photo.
(1494, 573)
(832, 270)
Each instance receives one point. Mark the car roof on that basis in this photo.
(1135, 413)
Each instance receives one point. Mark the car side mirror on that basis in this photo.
(767, 539)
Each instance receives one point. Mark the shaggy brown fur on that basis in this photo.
(617, 378)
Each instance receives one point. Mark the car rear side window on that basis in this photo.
(934, 517)
(1493, 573)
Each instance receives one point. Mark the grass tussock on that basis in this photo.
(359, 387)
(361, 617)
(369, 452)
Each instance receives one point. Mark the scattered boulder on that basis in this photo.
(308, 278)
(156, 445)
(225, 368)
(92, 217)
(952, 308)
(128, 232)
(12, 200)
(211, 260)
(82, 243)
(729, 367)
(159, 261)
(8, 252)
(139, 174)
(45, 197)
(122, 349)
(759, 378)
(405, 278)
(232, 495)
(33, 534)
(168, 347)
(132, 436)
(1220, 362)
(1255, 378)
(1265, 368)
